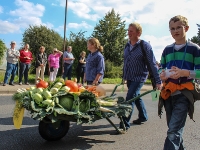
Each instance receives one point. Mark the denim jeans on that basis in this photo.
(134, 91)
(67, 71)
(10, 70)
(23, 71)
(176, 108)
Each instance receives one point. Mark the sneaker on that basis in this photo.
(122, 131)
(121, 127)
(138, 122)
(11, 84)
(20, 83)
(4, 84)
(27, 83)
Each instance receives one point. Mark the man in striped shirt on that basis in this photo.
(135, 71)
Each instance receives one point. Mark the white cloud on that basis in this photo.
(83, 24)
(28, 9)
(7, 27)
(1, 9)
(24, 15)
(59, 28)
(25, 21)
(145, 11)
(158, 44)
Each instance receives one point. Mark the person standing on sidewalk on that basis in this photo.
(68, 58)
(80, 70)
(53, 62)
(135, 71)
(25, 64)
(12, 64)
(41, 61)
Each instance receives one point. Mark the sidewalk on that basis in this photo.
(9, 89)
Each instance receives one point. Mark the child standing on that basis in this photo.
(180, 61)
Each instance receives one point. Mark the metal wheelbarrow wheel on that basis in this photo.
(52, 132)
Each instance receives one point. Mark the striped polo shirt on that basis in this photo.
(186, 57)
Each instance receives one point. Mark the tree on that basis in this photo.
(2, 50)
(79, 44)
(37, 36)
(196, 39)
(111, 33)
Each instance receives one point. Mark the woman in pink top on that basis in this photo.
(53, 62)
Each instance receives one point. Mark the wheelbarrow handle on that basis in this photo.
(115, 88)
(135, 98)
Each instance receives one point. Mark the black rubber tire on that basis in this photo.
(50, 133)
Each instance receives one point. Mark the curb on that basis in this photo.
(107, 90)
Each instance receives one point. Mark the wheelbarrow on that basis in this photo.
(55, 131)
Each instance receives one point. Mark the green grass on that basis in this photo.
(32, 79)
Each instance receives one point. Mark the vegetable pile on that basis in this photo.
(65, 100)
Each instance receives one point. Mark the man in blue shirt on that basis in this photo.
(135, 71)
(68, 61)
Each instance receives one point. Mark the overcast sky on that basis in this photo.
(153, 15)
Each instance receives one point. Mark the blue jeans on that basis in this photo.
(23, 72)
(176, 108)
(67, 71)
(134, 91)
(10, 70)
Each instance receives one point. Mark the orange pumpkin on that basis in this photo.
(42, 84)
(72, 85)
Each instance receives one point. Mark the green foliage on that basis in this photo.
(112, 71)
(111, 33)
(2, 50)
(196, 39)
(79, 44)
(37, 36)
(32, 79)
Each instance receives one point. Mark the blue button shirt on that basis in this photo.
(94, 65)
(68, 55)
(135, 68)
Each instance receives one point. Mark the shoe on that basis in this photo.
(20, 83)
(138, 122)
(27, 83)
(4, 84)
(11, 84)
(121, 127)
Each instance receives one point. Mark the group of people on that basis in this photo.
(180, 64)
(92, 73)
(24, 57)
(182, 58)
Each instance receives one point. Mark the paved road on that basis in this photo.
(98, 136)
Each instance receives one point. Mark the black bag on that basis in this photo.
(196, 91)
(153, 82)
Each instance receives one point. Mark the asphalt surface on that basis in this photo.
(97, 136)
